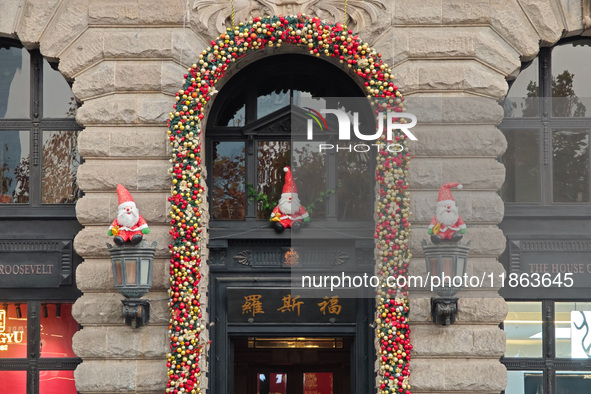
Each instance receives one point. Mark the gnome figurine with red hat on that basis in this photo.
(289, 213)
(447, 223)
(129, 225)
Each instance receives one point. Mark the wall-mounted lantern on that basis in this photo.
(132, 273)
(446, 261)
(132, 259)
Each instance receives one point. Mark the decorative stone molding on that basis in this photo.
(210, 17)
(587, 14)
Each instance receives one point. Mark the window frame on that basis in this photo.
(33, 363)
(545, 123)
(35, 125)
(548, 364)
(244, 85)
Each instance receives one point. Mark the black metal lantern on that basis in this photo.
(446, 261)
(132, 274)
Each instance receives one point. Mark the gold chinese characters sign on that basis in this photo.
(281, 305)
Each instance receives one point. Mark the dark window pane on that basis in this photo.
(58, 100)
(309, 172)
(272, 156)
(573, 382)
(522, 99)
(14, 382)
(14, 166)
(271, 102)
(13, 331)
(57, 329)
(570, 154)
(354, 185)
(228, 180)
(60, 163)
(15, 79)
(57, 382)
(522, 180)
(571, 81)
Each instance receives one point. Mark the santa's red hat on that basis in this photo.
(289, 186)
(125, 199)
(445, 191)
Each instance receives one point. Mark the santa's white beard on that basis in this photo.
(289, 207)
(447, 218)
(128, 219)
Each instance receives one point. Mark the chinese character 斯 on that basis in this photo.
(291, 304)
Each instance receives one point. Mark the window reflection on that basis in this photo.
(273, 157)
(58, 100)
(13, 330)
(523, 328)
(57, 329)
(309, 171)
(524, 382)
(14, 382)
(573, 382)
(271, 102)
(570, 81)
(228, 188)
(57, 382)
(354, 191)
(15, 79)
(570, 155)
(522, 100)
(14, 167)
(60, 164)
(522, 163)
(573, 329)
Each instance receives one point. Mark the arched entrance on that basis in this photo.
(319, 39)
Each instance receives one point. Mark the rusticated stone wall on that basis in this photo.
(127, 58)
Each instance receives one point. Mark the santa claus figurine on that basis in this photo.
(289, 213)
(129, 225)
(447, 223)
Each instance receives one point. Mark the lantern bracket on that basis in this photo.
(136, 312)
(444, 310)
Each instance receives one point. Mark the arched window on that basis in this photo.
(250, 139)
(38, 162)
(548, 222)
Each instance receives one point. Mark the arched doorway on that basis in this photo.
(249, 139)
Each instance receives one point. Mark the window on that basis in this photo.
(548, 347)
(38, 163)
(250, 141)
(547, 125)
(38, 136)
(547, 196)
(36, 353)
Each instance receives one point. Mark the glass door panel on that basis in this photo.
(318, 383)
(271, 383)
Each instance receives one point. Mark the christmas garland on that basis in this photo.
(184, 131)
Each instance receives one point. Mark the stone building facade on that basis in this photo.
(126, 60)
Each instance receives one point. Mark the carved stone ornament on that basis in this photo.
(587, 14)
(210, 18)
(243, 257)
